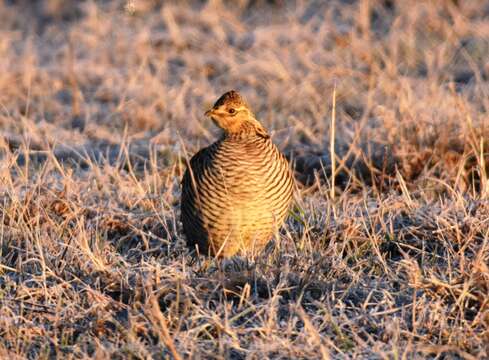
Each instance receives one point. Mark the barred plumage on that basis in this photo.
(236, 192)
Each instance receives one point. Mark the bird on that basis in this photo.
(235, 193)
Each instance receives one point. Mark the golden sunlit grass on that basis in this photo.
(96, 101)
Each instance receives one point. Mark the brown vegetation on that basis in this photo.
(100, 103)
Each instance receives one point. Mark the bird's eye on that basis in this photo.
(231, 111)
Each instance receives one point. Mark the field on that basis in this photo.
(385, 254)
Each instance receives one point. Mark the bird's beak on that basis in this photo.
(209, 112)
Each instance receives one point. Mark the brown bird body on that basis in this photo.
(236, 192)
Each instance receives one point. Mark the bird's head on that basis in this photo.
(234, 117)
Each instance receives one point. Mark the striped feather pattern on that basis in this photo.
(235, 194)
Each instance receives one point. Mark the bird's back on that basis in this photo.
(235, 195)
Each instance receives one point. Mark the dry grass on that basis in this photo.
(98, 101)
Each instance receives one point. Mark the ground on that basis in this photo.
(385, 253)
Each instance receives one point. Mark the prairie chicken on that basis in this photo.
(236, 192)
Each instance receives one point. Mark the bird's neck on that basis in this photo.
(247, 129)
